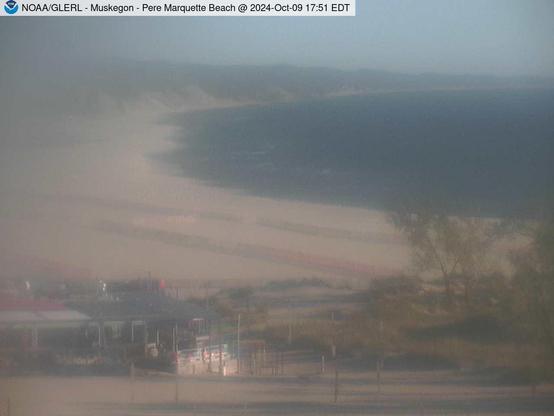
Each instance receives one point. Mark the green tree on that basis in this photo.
(452, 246)
(534, 278)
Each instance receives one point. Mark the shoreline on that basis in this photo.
(107, 175)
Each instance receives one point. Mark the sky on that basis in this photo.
(501, 37)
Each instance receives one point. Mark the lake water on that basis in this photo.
(491, 151)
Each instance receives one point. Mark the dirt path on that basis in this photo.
(441, 393)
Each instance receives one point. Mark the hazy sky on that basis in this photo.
(495, 36)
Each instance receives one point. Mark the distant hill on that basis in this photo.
(54, 87)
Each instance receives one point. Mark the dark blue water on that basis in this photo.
(491, 151)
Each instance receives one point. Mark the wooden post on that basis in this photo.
(336, 383)
(220, 349)
(132, 376)
(289, 310)
(34, 337)
(322, 364)
(289, 339)
(381, 356)
(175, 338)
(263, 358)
(177, 387)
(238, 345)
(99, 335)
(210, 349)
(378, 375)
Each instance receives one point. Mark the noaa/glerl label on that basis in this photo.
(178, 8)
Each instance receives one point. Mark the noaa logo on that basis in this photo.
(11, 7)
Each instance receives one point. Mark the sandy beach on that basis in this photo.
(110, 175)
